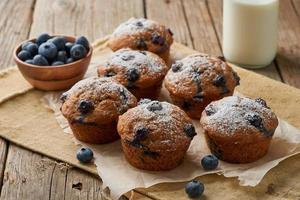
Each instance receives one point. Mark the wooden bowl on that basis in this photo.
(53, 77)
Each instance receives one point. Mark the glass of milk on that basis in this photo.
(250, 32)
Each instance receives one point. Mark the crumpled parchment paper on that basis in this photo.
(121, 177)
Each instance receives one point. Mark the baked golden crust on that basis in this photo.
(92, 107)
(237, 129)
(141, 72)
(155, 135)
(142, 34)
(199, 79)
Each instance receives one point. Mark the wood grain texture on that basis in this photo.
(215, 8)
(288, 58)
(15, 20)
(171, 14)
(3, 156)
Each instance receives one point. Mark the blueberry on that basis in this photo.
(194, 189)
(42, 38)
(40, 60)
(132, 75)
(83, 41)
(31, 48)
(68, 47)
(255, 120)
(55, 63)
(127, 57)
(24, 55)
(25, 44)
(59, 42)
(140, 134)
(48, 50)
(85, 106)
(85, 155)
(209, 110)
(78, 51)
(143, 52)
(171, 33)
(219, 81)
(139, 24)
(144, 101)
(61, 56)
(30, 61)
(69, 60)
(141, 44)
(157, 39)
(189, 130)
(176, 66)
(262, 102)
(209, 162)
(198, 97)
(155, 106)
(109, 74)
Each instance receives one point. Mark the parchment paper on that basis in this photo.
(121, 177)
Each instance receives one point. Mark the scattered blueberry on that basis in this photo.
(155, 106)
(32, 48)
(255, 120)
(141, 44)
(69, 60)
(85, 155)
(132, 75)
(189, 130)
(68, 47)
(24, 55)
(48, 50)
(194, 189)
(144, 101)
(62, 56)
(176, 66)
(78, 51)
(42, 38)
(209, 162)
(30, 61)
(85, 106)
(140, 134)
(83, 41)
(157, 39)
(40, 60)
(59, 42)
(262, 102)
(56, 63)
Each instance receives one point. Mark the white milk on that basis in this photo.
(250, 31)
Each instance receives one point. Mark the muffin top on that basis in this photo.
(159, 126)
(201, 76)
(239, 117)
(96, 100)
(142, 34)
(134, 68)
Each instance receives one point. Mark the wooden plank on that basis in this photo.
(58, 181)
(171, 14)
(288, 58)
(201, 27)
(215, 8)
(3, 155)
(15, 20)
(27, 175)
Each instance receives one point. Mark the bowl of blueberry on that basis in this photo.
(53, 62)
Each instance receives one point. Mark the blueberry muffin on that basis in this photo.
(199, 79)
(155, 135)
(141, 72)
(92, 107)
(143, 34)
(237, 129)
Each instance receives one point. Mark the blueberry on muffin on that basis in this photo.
(155, 135)
(141, 72)
(199, 79)
(238, 129)
(143, 34)
(92, 107)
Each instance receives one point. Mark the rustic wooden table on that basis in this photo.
(196, 23)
